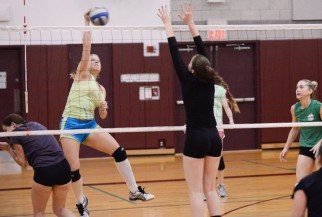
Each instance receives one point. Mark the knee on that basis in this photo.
(75, 176)
(119, 154)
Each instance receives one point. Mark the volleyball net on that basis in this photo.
(261, 63)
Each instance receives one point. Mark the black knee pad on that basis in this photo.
(75, 176)
(120, 154)
(221, 164)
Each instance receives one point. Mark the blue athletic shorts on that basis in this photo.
(67, 123)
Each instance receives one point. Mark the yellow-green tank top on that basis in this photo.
(83, 98)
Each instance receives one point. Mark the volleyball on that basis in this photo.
(99, 16)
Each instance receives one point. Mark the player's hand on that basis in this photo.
(283, 155)
(164, 15)
(4, 146)
(103, 106)
(315, 148)
(187, 13)
(86, 15)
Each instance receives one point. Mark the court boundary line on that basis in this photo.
(258, 202)
(154, 181)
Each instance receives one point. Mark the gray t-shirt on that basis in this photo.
(40, 151)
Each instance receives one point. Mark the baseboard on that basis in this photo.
(142, 152)
(278, 145)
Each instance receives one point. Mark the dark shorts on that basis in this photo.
(306, 152)
(201, 142)
(58, 174)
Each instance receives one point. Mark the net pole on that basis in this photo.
(25, 58)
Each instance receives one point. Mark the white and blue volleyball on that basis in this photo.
(99, 16)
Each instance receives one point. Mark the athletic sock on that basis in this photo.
(125, 170)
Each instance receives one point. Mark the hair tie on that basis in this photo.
(228, 91)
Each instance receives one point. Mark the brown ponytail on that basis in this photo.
(231, 100)
(204, 71)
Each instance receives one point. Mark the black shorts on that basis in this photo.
(306, 152)
(201, 142)
(58, 174)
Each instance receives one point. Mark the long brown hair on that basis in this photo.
(231, 100)
(203, 70)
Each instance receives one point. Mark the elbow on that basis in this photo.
(103, 114)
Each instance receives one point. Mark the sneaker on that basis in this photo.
(222, 190)
(82, 208)
(140, 194)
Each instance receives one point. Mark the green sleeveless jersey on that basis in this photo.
(83, 98)
(309, 136)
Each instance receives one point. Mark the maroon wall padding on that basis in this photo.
(128, 110)
(282, 65)
(57, 83)
(38, 84)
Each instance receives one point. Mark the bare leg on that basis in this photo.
(209, 180)
(39, 195)
(304, 167)
(60, 193)
(220, 176)
(104, 142)
(71, 151)
(193, 172)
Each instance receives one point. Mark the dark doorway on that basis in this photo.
(236, 63)
(10, 81)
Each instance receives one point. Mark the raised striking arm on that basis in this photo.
(83, 66)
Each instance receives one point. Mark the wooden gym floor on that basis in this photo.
(257, 184)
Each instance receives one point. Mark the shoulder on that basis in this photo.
(293, 108)
(101, 87)
(296, 106)
(316, 102)
(35, 126)
(220, 89)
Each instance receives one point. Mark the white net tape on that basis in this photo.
(10, 35)
(156, 129)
